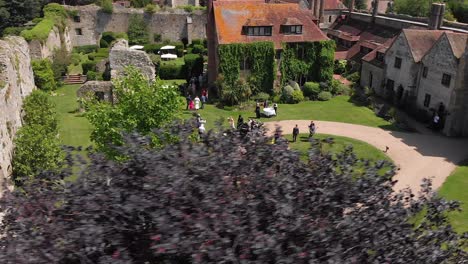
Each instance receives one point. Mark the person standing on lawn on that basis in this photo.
(240, 121)
(203, 101)
(257, 110)
(275, 106)
(189, 99)
(312, 129)
(197, 103)
(295, 133)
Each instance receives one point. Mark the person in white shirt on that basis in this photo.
(197, 103)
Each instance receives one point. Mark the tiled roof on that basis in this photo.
(333, 4)
(458, 42)
(231, 16)
(420, 41)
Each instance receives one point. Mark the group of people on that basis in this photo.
(312, 129)
(244, 126)
(196, 103)
(258, 114)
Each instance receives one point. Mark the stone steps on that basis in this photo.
(74, 79)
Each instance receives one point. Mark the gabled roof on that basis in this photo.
(420, 41)
(232, 16)
(458, 43)
(333, 4)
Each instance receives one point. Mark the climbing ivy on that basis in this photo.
(259, 55)
(313, 61)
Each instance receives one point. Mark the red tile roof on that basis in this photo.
(231, 16)
(333, 4)
(458, 42)
(420, 41)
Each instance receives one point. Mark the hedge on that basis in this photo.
(171, 71)
(88, 66)
(85, 49)
(311, 90)
(153, 48)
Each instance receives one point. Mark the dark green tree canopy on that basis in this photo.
(230, 198)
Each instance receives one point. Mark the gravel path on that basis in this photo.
(417, 155)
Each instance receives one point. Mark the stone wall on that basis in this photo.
(16, 82)
(368, 69)
(41, 50)
(121, 56)
(93, 88)
(172, 25)
(439, 60)
(405, 76)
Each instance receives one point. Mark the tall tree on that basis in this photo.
(141, 106)
(226, 199)
(137, 30)
(22, 11)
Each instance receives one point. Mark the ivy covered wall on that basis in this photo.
(259, 56)
(308, 61)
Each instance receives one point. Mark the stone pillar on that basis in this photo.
(189, 30)
(316, 8)
(351, 6)
(322, 6)
(375, 9)
(436, 18)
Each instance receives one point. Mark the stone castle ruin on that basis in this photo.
(16, 82)
(121, 56)
(175, 25)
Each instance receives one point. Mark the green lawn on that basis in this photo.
(362, 150)
(338, 109)
(74, 128)
(456, 188)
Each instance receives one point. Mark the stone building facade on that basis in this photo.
(87, 27)
(16, 82)
(403, 64)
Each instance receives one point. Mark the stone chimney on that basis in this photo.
(322, 6)
(375, 9)
(351, 6)
(316, 8)
(436, 18)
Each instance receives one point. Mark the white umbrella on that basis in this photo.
(168, 47)
(168, 56)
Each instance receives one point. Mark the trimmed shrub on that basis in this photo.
(297, 96)
(171, 71)
(44, 75)
(261, 96)
(88, 66)
(196, 42)
(334, 85)
(324, 96)
(103, 43)
(311, 90)
(75, 59)
(198, 49)
(91, 75)
(354, 77)
(153, 48)
(86, 49)
(60, 63)
(13, 31)
(286, 94)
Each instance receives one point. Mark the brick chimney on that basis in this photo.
(436, 18)
(316, 8)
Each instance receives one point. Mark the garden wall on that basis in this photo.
(16, 82)
(41, 50)
(174, 25)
